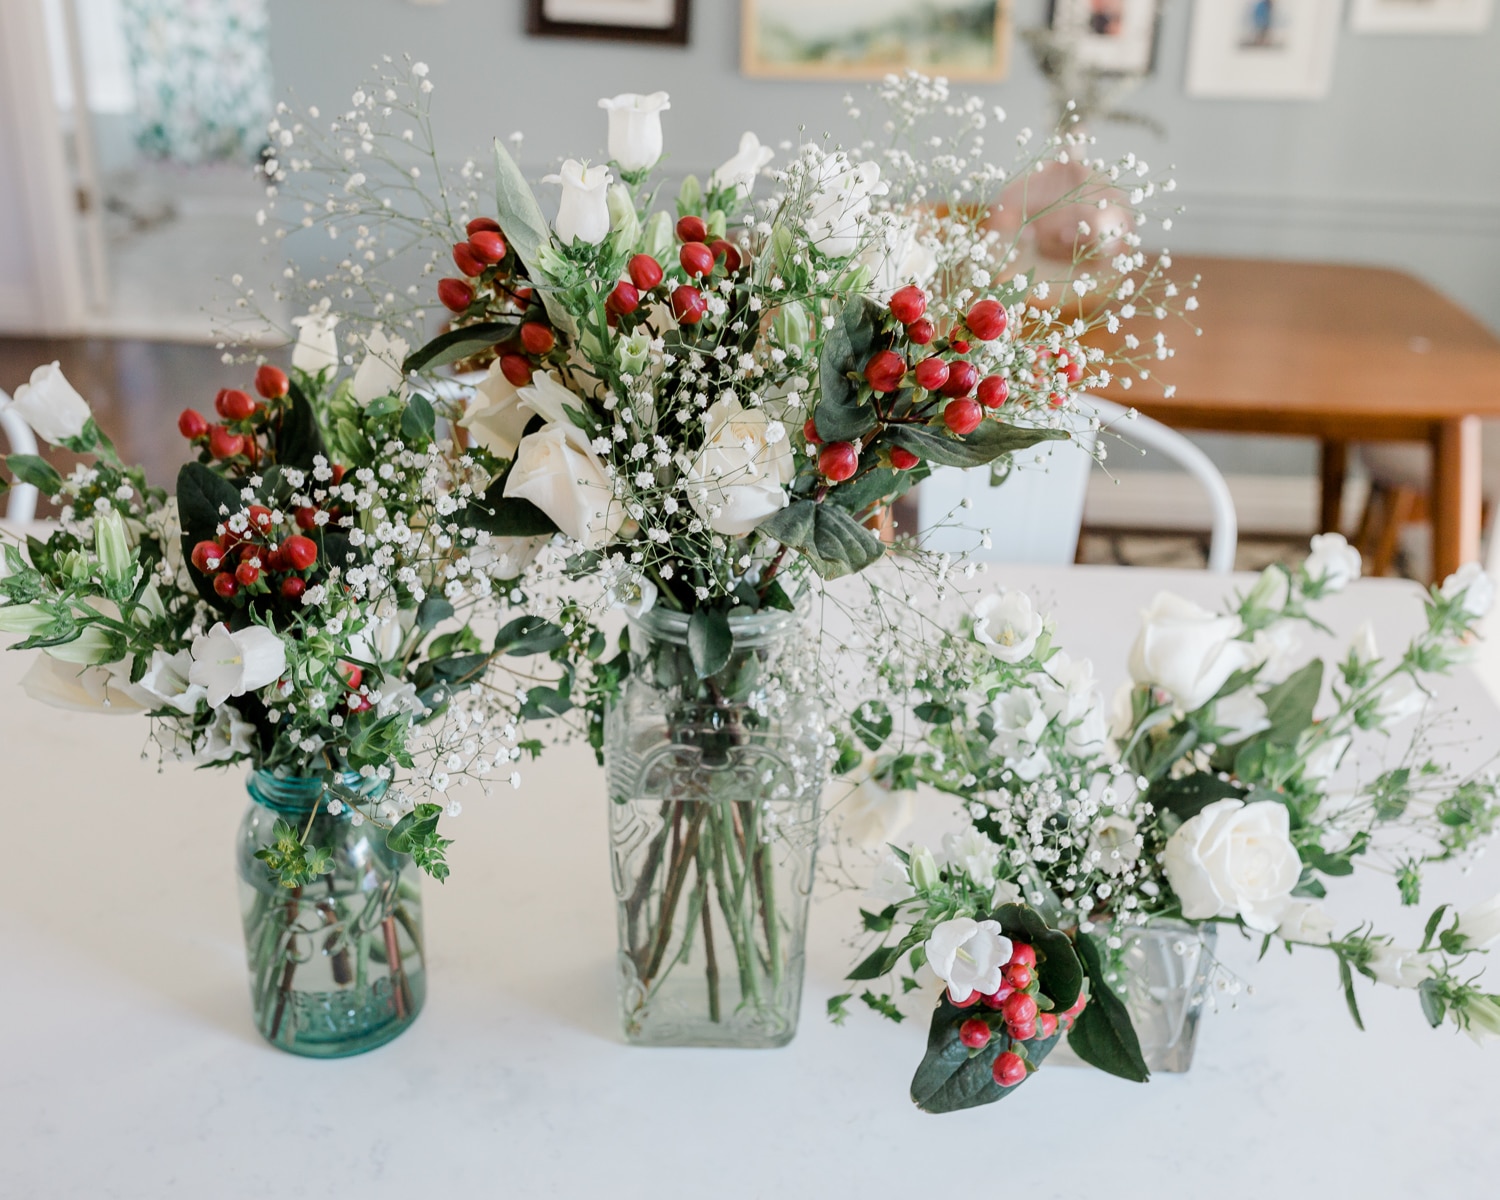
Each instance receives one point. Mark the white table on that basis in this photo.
(129, 1066)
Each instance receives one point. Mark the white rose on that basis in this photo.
(229, 663)
(551, 399)
(1306, 923)
(1019, 721)
(1242, 715)
(317, 346)
(380, 372)
(50, 405)
(1006, 625)
(1333, 562)
(974, 854)
(635, 128)
(1481, 924)
(742, 170)
(1402, 697)
(869, 811)
(741, 474)
(556, 470)
(583, 214)
(968, 956)
(891, 885)
(1400, 966)
(1187, 650)
(1469, 581)
(840, 204)
(1234, 859)
(496, 415)
(77, 688)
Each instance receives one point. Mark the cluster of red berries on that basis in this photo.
(242, 418)
(1015, 1001)
(248, 561)
(485, 248)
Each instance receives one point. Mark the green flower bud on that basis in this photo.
(635, 352)
(25, 618)
(93, 645)
(717, 223)
(690, 196)
(924, 869)
(622, 215)
(657, 241)
(790, 326)
(112, 548)
(75, 566)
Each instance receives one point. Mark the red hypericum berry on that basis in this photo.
(225, 585)
(692, 229)
(1078, 1005)
(959, 346)
(338, 473)
(1009, 1069)
(962, 377)
(300, 552)
(1046, 1025)
(986, 320)
(523, 293)
(1018, 976)
(455, 294)
(223, 444)
(207, 556)
(466, 260)
(537, 338)
(974, 1033)
(696, 259)
(192, 424)
(626, 298)
(688, 304)
(487, 246)
(275, 560)
(729, 252)
(885, 371)
(516, 368)
(233, 404)
(1071, 368)
(810, 432)
(1056, 400)
(1022, 954)
(292, 587)
(271, 382)
(1019, 1009)
(994, 391)
(908, 304)
(997, 998)
(903, 459)
(482, 225)
(645, 272)
(260, 517)
(306, 517)
(246, 573)
(963, 416)
(931, 373)
(351, 673)
(356, 703)
(921, 332)
(838, 461)
(1022, 1033)
(968, 1002)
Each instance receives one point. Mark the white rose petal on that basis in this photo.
(1187, 650)
(740, 476)
(1234, 860)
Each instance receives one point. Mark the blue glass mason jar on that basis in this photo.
(336, 965)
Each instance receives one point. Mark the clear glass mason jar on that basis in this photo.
(1167, 966)
(336, 966)
(713, 802)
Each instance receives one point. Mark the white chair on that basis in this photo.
(1036, 514)
(21, 510)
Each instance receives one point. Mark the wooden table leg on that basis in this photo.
(1333, 466)
(1455, 495)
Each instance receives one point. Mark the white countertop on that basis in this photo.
(129, 1066)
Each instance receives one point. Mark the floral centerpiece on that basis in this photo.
(1103, 851)
(304, 604)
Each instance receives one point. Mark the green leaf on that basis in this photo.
(710, 640)
(432, 612)
(529, 635)
(1058, 966)
(985, 444)
(1346, 977)
(951, 1077)
(1289, 705)
(505, 516)
(872, 723)
(1102, 1033)
(933, 713)
(201, 494)
(418, 420)
(413, 827)
(882, 1005)
(456, 344)
(35, 470)
(879, 922)
(1434, 1007)
(840, 416)
(880, 962)
(1432, 927)
(526, 230)
(545, 702)
(1191, 794)
(870, 488)
(297, 438)
(833, 541)
(837, 1013)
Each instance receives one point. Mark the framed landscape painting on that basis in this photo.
(1420, 16)
(620, 20)
(867, 39)
(1263, 49)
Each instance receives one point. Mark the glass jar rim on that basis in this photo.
(298, 794)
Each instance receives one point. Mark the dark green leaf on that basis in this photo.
(544, 702)
(840, 416)
(204, 499)
(872, 487)
(460, 669)
(456, 344)
(882, 1005)
(432, 612)
(35, 470)
(413, 828)
(1434, 1007)
(1191, 794)
(529, 635)
(933, 713)
(1346, 977)
(879, 963)
(951, 1077)
(985, 444)
(297, 438)
(507, 517)
(1102, 1033)
(1058, 966)
(872, 723)
(878, 922)
(1289, 705)
(418, 420)
(710, 640)
(833, 541)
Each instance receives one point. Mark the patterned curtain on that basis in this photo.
(202, 77)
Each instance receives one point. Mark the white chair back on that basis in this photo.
(21, 509)
(1036, 514)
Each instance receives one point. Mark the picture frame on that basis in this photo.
(1111, 37)
(665, 22)
(1262, 49)
(1420, 16)
(868, 39)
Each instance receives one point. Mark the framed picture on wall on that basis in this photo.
(1109, 36)
(663, 21)
(1420, 16)
(1262, 49)
(867, 39)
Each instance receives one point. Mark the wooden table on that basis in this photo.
(1339, 353)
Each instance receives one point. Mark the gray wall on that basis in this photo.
(1400, 165)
